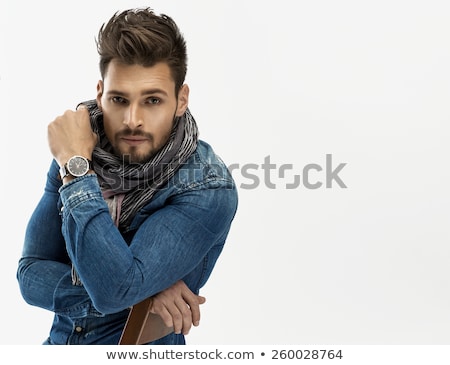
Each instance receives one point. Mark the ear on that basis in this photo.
(99, 93)
(183, 100)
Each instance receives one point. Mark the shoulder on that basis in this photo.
(203, 169)
(201, 187)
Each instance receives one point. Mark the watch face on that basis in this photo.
(78, 166)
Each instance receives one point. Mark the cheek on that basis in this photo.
(165, 128)
(159, 122)
(108, 133)
(110, 129)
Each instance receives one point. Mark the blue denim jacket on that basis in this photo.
(178, 235)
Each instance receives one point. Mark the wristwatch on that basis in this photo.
(76, 166)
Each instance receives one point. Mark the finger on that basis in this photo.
(176, 317)
(166, 317)
(189, 297)
(201, 300)
(191, 302)
(186, 316)
(195, 312)
(168, 311)
(194, 302)
(82, 109)
(156, 307)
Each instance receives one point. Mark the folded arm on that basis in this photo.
(168, 245)
(115, 274)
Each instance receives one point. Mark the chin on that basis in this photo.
(129, 159)
(132, 157)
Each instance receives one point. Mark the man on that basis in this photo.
(135, 206)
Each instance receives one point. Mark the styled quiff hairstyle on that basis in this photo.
(139, 36)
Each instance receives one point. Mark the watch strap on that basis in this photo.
(63, 171)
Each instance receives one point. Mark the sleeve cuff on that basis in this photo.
(79, 190)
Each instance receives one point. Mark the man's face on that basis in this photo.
(139, 106)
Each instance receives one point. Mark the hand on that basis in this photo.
(178, 307)
(70, 134)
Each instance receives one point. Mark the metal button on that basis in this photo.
(78, 329)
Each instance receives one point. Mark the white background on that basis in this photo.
(368, 82)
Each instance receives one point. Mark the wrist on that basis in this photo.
(69, 178)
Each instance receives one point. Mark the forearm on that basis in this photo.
(114, 275)
(44, 269)
(99, 253)
(167, 246)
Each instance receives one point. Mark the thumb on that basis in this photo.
(81, 106)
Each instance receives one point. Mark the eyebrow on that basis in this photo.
(143, 93)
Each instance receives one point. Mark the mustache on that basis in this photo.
(130, 133)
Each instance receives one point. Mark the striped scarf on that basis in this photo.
(139, 182)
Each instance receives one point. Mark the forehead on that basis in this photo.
(136, 77)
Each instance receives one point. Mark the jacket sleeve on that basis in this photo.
(167, 246)
(44, 270)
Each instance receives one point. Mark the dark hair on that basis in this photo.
(139, 36)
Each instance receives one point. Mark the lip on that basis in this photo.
(134, 141)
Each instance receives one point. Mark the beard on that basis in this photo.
(135, 154)
(139, 154)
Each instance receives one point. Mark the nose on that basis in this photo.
(133, 117)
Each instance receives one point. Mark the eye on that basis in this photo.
(153, 100)
(118, 100)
